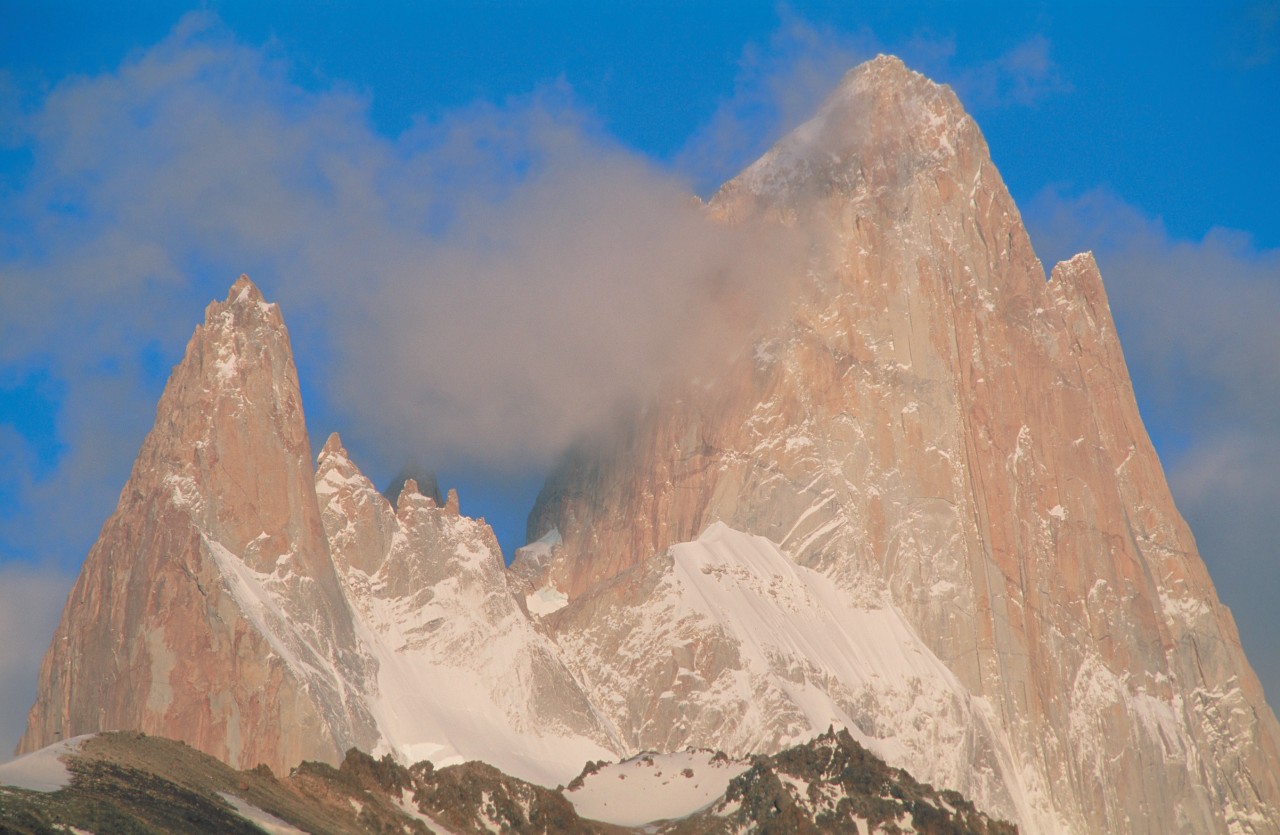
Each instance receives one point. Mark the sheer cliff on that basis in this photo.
(922, 507)
(939, 429)
(209, 609)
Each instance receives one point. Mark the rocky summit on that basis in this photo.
(209, 609)
(945, 436)
(920, 509)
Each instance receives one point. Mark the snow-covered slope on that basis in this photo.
(973, 560)
(653, 787)
(462, 672)
(739, 648)
(42, 770)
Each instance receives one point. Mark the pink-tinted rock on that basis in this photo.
(209, 610)
(939, 428)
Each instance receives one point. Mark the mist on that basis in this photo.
(472, 295)
(480, 291)
(496, 281)
(546, 315)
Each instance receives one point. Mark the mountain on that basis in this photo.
(127, 782)
(462, 672)
(726, 643)
(921, 507)
(209, 609)
(938, 432)
(266, 613)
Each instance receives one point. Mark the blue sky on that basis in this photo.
(479, 189)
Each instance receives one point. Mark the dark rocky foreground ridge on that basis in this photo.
(134, 783)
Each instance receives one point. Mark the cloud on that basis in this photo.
(577, 296)
(1023, 76)
(782, 82)
(479, 291)
(1197, 311)
(1197, 321)
(779, 84)
(31, 601)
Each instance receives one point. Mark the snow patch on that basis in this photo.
(261, 606)
(797, 656)
(1185, 610)
(653, 787)
(462, 672)
(184, 492)
(43, 770)
(406, 804)
(541, 548)
(265, 821)
(546, 600)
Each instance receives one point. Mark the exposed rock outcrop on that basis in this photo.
(940, 429)
(209, 610)
(922, 507)
(463, 673)
(128, 782)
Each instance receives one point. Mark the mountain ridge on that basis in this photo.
(941, 427)
(923, 507)
(130, 782)
(168, 628)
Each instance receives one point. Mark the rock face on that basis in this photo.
(209, 610)
(462, 671)
(922, 507)
(832, 784)
(726, 643)
(941, 430)
(266, 613)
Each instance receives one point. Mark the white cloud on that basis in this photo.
(779, 84)
(481, 290)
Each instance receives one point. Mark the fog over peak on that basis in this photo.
(491, 282)
(482, 289)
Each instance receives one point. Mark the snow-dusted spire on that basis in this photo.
(244, 290)
(217, 542)
(882, 121)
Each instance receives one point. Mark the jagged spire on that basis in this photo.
(333, 446)
(425, 479)
(220, 497)
(934, 425)
(244, 290)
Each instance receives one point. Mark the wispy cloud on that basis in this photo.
(779, 84)
(1023, 76)
(1255, 35)
(783, 81)
(481, 290)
